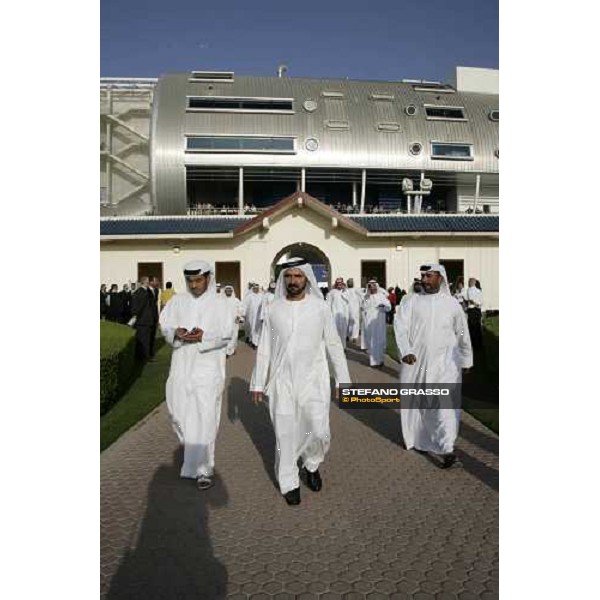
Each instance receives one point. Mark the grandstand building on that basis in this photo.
(363, 178)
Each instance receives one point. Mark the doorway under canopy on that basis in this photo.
(316, 258)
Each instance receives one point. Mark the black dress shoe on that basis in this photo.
(313, 480)
(293, 497)
(449, 460)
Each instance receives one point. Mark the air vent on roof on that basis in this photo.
(337, 124)
(444, 113)
(327, 94)
(388, 126)
(211, 76)
(433, 86)
(411, 110)
(382, 97)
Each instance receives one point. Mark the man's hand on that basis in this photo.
(195, 335)
(257, 397)
(181, 332)
(409, 359)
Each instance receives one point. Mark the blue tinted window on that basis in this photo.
(240, 144)
(452, 151)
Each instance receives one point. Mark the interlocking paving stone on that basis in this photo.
(387, 523)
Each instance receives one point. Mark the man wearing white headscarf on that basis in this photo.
(251, 304)
(339, 304)
(265, 301)
(375, 305)
(234, 306)
(354, 301)
(434, 345)
(197, 325)
(298, 337)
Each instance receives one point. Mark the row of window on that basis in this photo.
(285, 105)
(287, 145)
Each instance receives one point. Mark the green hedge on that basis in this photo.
(118, 366)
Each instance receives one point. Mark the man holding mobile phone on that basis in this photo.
(196, 324)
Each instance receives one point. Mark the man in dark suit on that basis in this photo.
(154, 283)
(145, 312)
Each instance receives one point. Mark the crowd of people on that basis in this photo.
(300, 338)
(207, 208)
(138, 306)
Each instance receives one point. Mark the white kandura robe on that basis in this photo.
(354, 302)
(251, 304)
(195, 385)
(292, 369)
(374, 307)
(339, 304)
(263, 308)
(433, 327)
(235, 309)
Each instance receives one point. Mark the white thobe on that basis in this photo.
(263, 308)
(473, 297)
(234, 306)
(195, 385)
(339, 305)
(433, 327)
(374, 307)
(354, 302)
(251, 304)
(292, 369)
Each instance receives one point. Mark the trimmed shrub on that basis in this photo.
(118, 365)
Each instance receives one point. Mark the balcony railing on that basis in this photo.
(228, 210)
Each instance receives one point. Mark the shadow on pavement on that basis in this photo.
(384, 421)
(173, 557)
(387, 423)
(256, 421)
(485, 442)
(362, 358)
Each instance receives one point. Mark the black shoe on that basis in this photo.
(313, 480)
(293, 497)
(449, 460)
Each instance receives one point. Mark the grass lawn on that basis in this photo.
(145, 394)
(480, 387)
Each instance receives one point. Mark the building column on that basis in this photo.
(363, 191)
(303, 179)
(477, 184)
(241, 191)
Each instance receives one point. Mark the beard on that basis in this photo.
(295, 290)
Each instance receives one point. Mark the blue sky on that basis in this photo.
(387, 39)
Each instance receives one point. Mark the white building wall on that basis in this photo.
(345, 249)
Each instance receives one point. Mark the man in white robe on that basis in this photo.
(197, 325)
(433, 341)
(374, 306)
(235, 309)
(339, 304)
(251, 304)
(354, 302)
(291, 368)
(266, 300)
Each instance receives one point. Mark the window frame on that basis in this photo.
(469, 145)
(280, 111)
(443, 106)
(189, 136)
(215, 79)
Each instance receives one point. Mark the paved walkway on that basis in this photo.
(387, 524)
